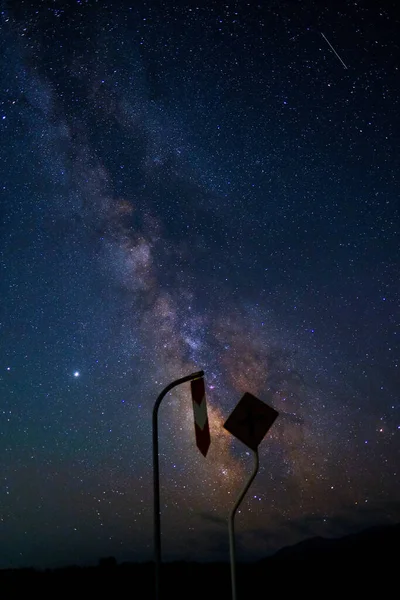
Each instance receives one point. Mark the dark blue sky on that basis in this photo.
(189, 188)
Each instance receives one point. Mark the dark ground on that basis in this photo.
(366, 563)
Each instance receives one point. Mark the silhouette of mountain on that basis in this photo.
(375, 542)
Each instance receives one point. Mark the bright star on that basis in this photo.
(76, 374)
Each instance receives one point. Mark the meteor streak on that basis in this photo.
(333, 49)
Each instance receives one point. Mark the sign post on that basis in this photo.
(156, 475)
(249, 422)
(231, 523)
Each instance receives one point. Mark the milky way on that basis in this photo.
(188, 189)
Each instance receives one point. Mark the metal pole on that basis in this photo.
(156, 477)
(232, 548)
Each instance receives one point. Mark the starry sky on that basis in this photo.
(186, 187)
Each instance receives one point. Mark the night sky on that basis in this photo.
(196, 187)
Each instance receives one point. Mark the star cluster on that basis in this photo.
(184, 188)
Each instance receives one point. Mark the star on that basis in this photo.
(76, 374)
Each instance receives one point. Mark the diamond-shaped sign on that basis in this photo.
(250, 420)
